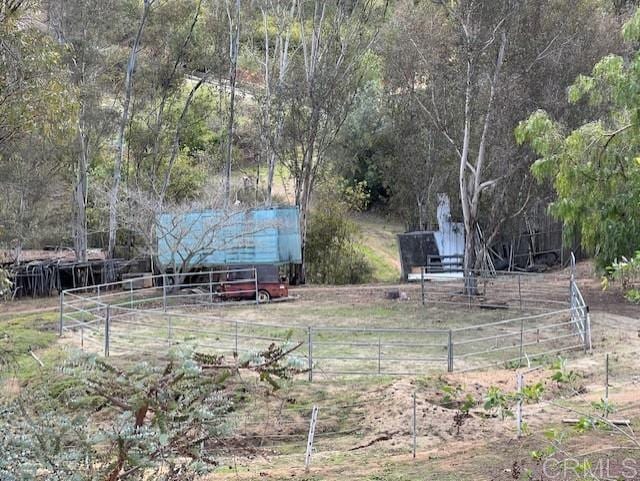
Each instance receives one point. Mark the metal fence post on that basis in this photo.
(414, 430)
(310, 345)
(107, 329)
(210, 288)
(255, 275)
(572, 278)
(236, 345)
(61, 327)
(379, 354)
(169, 330)
(519, 383)
(521, 341)
(606, 378)
(519, 292)
(422, 283)
(130, 294)
(164, 292)
(587, 330)
(312, 430)
(450, 352)
(573, 266)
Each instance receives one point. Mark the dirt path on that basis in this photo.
(29, 306)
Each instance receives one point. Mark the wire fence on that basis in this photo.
(118, 319)
(402, 421)
(549, 318)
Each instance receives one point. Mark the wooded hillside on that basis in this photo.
(112, 111)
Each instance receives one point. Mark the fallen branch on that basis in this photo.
(382, 437)
(616, 422)
(33, 355)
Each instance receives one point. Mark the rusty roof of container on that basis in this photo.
(37, 255)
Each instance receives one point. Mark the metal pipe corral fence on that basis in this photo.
(117, 320)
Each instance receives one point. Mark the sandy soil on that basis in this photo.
(368, 422)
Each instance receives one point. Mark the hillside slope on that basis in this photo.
(379, 243)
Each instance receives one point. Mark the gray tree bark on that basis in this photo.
(117, 169)
(80, 195)
(234, 44)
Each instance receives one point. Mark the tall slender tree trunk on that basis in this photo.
(471, 184)
(80, 242)
(234, 44)
(281, 53)
(117, 169)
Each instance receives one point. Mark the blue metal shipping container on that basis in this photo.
(211, 238)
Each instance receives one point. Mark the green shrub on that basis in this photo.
(5, 285)
(332, 253)
(626, 272)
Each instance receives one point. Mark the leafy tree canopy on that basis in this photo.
(595, 167)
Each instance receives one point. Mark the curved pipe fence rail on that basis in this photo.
(117, 319)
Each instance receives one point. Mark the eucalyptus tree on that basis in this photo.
(174, 125)
(472, 67)
(595, 167)
(36, 115)
(89, 30)
(325, 74)
(278, 19)
(124, 120)
(168, 419)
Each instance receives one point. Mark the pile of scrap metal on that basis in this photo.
(532, 251)
(440, 253)
(36, 273)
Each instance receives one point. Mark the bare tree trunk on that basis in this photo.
(266, 113)
(117, 170)
(80, 197)
(234, 43)
(281, 54)
(166, 89)
(471, 185)
(176, 139)
(471, 171)
(305, 205)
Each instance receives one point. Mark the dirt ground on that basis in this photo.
(365, 426)
(28, 306)
(486, 446)
(610, 301)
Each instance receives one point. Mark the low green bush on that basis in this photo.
(332, 253)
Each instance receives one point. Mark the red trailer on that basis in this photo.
(270, 285)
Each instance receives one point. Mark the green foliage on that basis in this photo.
(633, 295)
(152, 420)
(450, 395)
(595, 168)
(533, 393)
(500, 403)
(158, 156)
(627, 273)
(585, 423)
(332, 255)
(496, 401)
(364, 144)
(604, 407)
(5, 284)
(453, 398)
(564, 377)
(37, 116)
